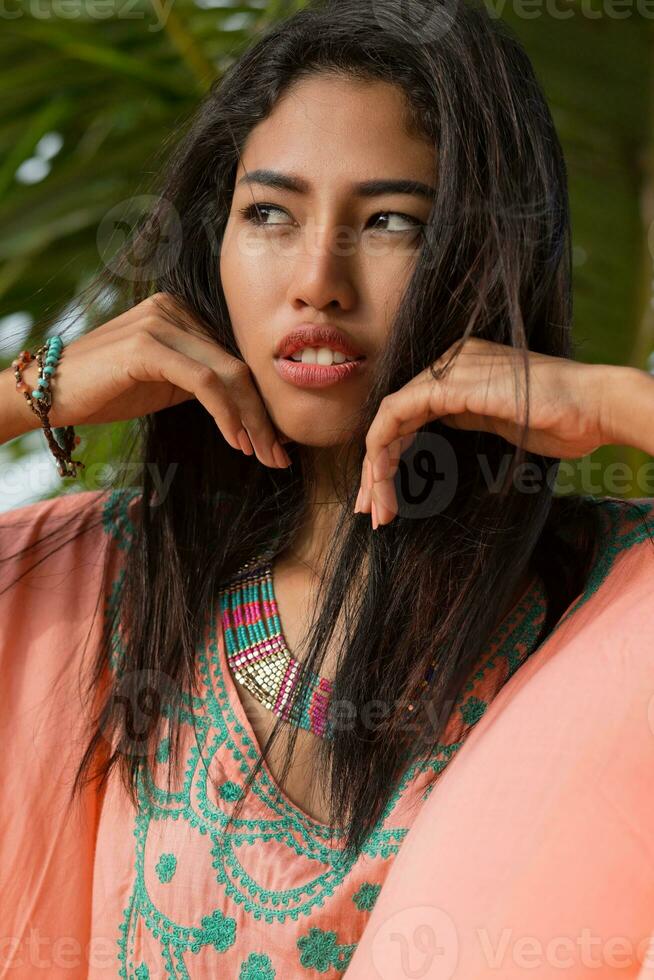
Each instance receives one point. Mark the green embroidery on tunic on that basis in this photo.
(319, 950)
(472, 710)
(165, 868)
(230, 791)
(366, 896)
(219, 929)
(257, 967)
(163, 750)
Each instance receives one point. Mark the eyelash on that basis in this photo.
(250, 214)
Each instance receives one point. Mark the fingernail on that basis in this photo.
(280, 454)
(375, 522)
(358, 500)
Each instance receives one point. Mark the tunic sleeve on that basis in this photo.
(535, 855)
(52, 603)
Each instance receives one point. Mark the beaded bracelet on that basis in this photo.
(62, 439)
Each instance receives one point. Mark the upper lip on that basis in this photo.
(316, 335)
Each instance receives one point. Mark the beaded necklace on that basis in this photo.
(259, 658)
(257, 653)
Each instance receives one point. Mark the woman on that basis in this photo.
(349, 191)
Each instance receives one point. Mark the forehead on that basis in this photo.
(334, 129)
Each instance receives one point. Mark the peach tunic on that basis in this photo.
(535, 855)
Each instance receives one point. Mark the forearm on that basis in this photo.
(16, 417)
(630, 408)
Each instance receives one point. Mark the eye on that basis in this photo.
(413, 222)
(253, 212)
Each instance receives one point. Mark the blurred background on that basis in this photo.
(95, 91)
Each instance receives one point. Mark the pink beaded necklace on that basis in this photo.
(257, 653)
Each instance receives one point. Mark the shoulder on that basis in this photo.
(65, 537)
(633, 517)
(61, 566)
(110, 511)
(625, 538)
(619, 589)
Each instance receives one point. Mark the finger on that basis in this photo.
(160, 309)
(383, 491)
(254, 416)
(389, 456)
(398, 416)
(470, 420)
(413, 406)
(410, 408)
(150, 360)
(385, 501)
(395, 450)
(406, 410)
(259, 435)
(366, 486)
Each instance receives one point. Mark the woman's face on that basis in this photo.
(323, 253)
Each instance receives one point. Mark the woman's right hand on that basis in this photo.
(141, 362)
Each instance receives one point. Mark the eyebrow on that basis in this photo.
(367, 188)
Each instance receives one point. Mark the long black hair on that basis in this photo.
(494, 262)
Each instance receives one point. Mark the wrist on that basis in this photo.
(628, 407)
(16, 417)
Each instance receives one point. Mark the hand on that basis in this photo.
(479, 392)
(141, 362)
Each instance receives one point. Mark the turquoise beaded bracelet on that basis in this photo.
(61, 439)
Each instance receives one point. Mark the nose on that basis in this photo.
(322, 272)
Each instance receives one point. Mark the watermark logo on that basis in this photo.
(427, 476)
(89, 10)
(154, 228)
(416, 21)
(140, 697)
(416, 942)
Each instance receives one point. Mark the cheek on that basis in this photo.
(245, 263)
(385, 288)
(242, 289)
(231, 271)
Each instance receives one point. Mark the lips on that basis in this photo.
(318, 375)
(316, 335)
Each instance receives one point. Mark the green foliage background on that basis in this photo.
(116, 78)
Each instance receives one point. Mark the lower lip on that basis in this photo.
(317, 375)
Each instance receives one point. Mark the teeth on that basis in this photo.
(320, 355)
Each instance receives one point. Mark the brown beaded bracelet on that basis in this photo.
(40, 402)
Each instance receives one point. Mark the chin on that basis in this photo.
(317, 427)
(316, 439)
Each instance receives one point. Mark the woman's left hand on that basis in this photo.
(479, 392)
